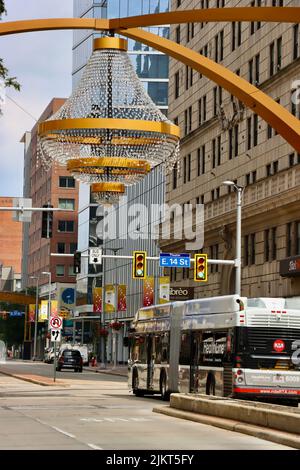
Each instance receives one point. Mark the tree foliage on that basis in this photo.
(9, 82)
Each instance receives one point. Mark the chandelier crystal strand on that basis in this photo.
(110, 116)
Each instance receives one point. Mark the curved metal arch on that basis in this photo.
(278, 117)
(287, 125)
(267, 14)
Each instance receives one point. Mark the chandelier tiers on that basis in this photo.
(107, 193)
(109, 130)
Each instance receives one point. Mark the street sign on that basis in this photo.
(169, 260)
(22, 216)
(56, 323)
(55, 336)
(95, 255)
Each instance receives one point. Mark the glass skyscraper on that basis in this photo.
(152, 68)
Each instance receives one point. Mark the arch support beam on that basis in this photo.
(287, 125)
(267, 14)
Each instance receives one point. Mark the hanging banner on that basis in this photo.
(54, 308)
(43, 311)
(148, 292)
(110, 298)
(164, 289)
(122, 298)
(97, 299)
(31, 313)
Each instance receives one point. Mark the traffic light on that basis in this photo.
(139, 265)
(77, 262)
(47, 222)
(200, 268)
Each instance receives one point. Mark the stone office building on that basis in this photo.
(222, 140)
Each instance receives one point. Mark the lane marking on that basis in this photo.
(114, 420)
(63, 432)
(93, 446)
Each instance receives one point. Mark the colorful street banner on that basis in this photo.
(31, 313)
(122, 298)
(97, 299)
(43, 311)
(54, 308)
(148, 292)
(164, 289)
(110, 298)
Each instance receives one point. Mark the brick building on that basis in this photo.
(10, 248)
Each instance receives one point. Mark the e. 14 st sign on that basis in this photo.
(169, 260)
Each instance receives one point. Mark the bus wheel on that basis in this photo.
(135, 385)
(210, 385)
(165, 394)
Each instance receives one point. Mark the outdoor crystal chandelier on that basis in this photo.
(109, 130)
(107, 193)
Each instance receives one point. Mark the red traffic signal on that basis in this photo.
(200, 268)
(139, 265)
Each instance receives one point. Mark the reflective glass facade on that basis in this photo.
(152, 68)
(150, 65)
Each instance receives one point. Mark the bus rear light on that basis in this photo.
(239, 372)
(238, 364)
(240, 380)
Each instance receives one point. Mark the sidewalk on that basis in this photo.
(120, 370)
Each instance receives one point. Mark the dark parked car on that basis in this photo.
(70, 359)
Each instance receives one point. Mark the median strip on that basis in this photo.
(35, 379)
(275, 423)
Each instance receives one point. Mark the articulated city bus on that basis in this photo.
(226, 346)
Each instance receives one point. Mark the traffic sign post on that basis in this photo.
(56, 326)
(169, 260)
(95, 255)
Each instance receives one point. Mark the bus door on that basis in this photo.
(150, 361)
(194, 364)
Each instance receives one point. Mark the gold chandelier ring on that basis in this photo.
(158, 127)
(108, 187)
(114, 163)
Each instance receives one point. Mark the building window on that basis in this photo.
(176, 85)
(289, 239)
(66, 204)
(275, 53)
(297, 238)
(66, 226)
(177, 34)
(201, 160)
(267, 245)
(71, 271)
(60, 270)
(174, 176)
(73, 248)
(66, 182)
(274, 244)
(296, 41)
(214, 254)
(252, 240)
(61, 248)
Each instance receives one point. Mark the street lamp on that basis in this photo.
(114, 351)
(238, 249)
(36, 314)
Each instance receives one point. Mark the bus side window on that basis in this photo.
(157, 349)
(185, 349)
(165, 344)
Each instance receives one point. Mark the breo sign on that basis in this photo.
(181, 293)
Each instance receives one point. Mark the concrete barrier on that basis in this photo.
(277, 417)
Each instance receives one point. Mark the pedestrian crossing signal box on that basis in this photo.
(200, 268)
(139, 265)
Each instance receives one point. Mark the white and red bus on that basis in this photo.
(226, 346)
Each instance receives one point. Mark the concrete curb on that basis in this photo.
(277, 417)
(32, 380)
(104, 371)
(273, 435)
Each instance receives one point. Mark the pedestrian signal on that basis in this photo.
(200, 268)
(139, 265)
(77, 262)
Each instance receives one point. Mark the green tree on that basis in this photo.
(9, 82)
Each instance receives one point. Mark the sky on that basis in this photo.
(42, 63)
